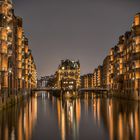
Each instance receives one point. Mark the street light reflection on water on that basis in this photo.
(88, 117)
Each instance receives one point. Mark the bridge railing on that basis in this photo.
(81, 89)
(94, 89)
(44, 89)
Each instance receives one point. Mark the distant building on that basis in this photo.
(98, 77)
(42, 82)
(93, 80)
(95, 77)
(68, 75)
(87, 81)
(47, 81)
(105, 76)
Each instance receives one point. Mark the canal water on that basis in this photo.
(88, 118)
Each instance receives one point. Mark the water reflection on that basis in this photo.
(69, 114)
(89, 117)
(17, 123)
(114, 118)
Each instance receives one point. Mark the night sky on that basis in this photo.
(74, 29)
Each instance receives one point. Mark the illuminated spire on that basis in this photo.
(137, 19)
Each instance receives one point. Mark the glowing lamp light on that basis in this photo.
(63, 68)
(10, 70)
(133, 78)
(8, 28)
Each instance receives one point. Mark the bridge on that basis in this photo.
(94, 89)
(46, 89)
(60, 92)
(80, 90)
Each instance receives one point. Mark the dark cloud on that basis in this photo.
(76, 29)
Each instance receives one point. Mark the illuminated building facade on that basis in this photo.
(125, 63)
(95, 77)
(93, 80)
(17, 66)
(68, 75)
(105, 75)
(87, 81)
(98, 77)
(120, 72)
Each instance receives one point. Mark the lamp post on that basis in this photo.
(9, 81)
(23, 79)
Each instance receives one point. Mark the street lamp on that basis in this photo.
(9, 80)
(23, 79)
